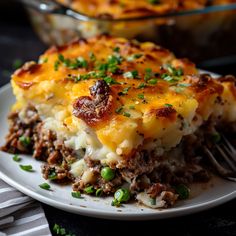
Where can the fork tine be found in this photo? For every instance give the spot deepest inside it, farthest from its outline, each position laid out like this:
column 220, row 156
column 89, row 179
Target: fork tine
column 230, row 163
column 221, row 170
column 229, row 148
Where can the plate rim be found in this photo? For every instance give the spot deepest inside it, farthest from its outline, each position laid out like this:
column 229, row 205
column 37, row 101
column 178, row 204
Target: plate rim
column 99, row 213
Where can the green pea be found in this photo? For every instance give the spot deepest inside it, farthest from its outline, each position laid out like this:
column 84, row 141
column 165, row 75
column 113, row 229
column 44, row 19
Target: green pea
column 107, row 173
column 183, row 191
column 122, row 195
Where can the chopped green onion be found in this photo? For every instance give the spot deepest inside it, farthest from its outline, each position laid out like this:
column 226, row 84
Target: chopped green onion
column 76, row 194
column 184, row 85
column 131, row 74
column 153, row 201
column 45, row 186
column 99, row 192
column 17, row 63
column 58, row 230
column 107, row 173
column 168, row 105
column 109, row 80
column 152, row 81
column 141, row 85
column 56, row 65
column 119, row 109
column 124, row 91
column 92, row 56
column 134, row 56
column 116, row 49
column 126, row 114
column 183, row 191
column 52, row 174
column 89, row 189
column 148, row 74
column 25, row 140
column 132, row 107
column 215, row 137
column 154, row 1
column 140, row 96
column 61, row 58
column 16, row 158
column 28, row 168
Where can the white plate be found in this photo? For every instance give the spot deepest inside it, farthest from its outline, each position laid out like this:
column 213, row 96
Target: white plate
column 216, row 192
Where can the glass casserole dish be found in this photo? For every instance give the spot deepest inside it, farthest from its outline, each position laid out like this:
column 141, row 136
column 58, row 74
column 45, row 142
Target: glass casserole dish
column 205, row 34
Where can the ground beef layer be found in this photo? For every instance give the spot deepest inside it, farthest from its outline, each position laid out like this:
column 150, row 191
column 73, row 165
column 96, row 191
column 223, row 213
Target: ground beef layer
column 144, row 170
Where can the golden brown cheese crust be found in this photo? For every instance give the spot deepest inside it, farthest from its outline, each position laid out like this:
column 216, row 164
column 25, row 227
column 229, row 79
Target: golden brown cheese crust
column 121, row 89
column 133, row 8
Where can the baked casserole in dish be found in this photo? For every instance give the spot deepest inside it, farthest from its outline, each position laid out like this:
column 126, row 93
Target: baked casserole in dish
column 204, row 24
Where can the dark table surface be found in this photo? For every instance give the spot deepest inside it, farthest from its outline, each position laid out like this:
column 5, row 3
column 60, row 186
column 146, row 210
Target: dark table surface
column 18, row 41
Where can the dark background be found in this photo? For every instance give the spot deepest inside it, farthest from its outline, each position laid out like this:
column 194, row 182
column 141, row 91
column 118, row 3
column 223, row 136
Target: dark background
column 18, row 41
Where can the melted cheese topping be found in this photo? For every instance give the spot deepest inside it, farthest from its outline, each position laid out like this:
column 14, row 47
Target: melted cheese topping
column 134, row 8
column 156, row 98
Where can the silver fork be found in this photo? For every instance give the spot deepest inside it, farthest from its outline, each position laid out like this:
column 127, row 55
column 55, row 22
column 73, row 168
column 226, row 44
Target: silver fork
column 227, row 153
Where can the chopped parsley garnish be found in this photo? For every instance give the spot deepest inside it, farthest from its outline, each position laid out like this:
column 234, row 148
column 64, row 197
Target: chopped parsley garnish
column 168, row 105
column 134, row 56
column 140, row 96
column 141, row 85
column 25, row 140
column 76, row 194
column 16, row 158
column 58, row 230
column 119, row 110
column 28, row 168
column 89, row 189
column 45, row 186
column 131, row 74
column 126, row 114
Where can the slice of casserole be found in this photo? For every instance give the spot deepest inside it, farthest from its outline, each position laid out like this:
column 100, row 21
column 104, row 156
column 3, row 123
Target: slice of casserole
column 108, row 112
